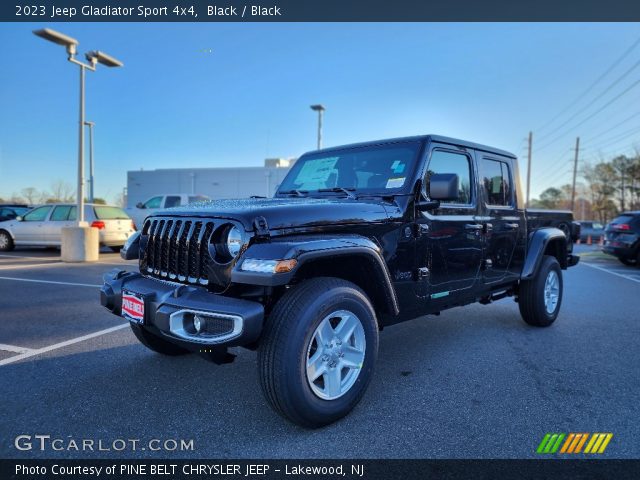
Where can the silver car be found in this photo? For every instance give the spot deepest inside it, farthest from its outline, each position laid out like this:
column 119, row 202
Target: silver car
column 43, row 225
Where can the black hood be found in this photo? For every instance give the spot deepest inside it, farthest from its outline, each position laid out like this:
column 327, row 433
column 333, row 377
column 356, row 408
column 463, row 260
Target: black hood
column 289, row 212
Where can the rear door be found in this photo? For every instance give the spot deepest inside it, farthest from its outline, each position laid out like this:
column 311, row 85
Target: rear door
column 505, row 223
column 449, row 246
column 59, row 219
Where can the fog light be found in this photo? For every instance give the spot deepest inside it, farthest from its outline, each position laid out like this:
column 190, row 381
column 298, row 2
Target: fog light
column 198, row 323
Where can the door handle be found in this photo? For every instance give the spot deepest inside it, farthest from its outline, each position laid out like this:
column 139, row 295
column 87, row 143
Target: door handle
column 473, row 226
column 511, row 226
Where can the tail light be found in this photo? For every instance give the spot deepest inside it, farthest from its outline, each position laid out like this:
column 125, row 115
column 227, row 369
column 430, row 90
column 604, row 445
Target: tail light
column 133, row 226
column 622, row 226
column 99, row 224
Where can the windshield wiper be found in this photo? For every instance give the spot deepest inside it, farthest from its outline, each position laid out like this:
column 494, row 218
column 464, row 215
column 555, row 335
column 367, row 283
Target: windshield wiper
column 348, row 191
column 299, row 193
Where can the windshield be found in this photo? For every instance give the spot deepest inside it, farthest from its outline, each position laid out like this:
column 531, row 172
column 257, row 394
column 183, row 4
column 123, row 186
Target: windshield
column 382, row 168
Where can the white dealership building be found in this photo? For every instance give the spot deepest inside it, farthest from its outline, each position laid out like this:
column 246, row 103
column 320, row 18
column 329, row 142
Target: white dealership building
column 229, row 182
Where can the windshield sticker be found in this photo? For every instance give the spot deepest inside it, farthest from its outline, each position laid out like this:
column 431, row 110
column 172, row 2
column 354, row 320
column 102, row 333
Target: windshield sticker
column 399, row 168
column 315, row 173
column 395, row 182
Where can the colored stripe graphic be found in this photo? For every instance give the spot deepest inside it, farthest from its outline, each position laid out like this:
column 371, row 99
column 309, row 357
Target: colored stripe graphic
column 598, row 442
column 568, row 442
column 543, row 443
column 550, row 443
column 574, row 442
column 581, row 443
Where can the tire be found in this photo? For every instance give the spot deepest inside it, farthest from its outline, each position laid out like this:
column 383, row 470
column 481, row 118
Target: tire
column 155, row 343
column 291, row 338
column 534, row 309
column 630, row 262
column 116, row 249
column 6, row 242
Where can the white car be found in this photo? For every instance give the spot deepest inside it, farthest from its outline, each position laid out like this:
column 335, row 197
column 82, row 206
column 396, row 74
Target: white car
column 43, row 225
column 160, row 202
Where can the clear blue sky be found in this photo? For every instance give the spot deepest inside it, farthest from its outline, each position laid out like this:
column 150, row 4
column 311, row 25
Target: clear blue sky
column 176, row 104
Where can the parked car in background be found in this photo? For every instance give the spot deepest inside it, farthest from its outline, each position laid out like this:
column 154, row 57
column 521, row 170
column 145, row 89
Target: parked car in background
column 43, row 225
column 623, row 238
column 591, row 228
column 159, row 202
column 11, row 211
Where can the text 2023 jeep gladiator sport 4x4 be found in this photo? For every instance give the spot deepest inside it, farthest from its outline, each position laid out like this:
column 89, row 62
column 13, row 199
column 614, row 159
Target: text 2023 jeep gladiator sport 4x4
column 357, row 238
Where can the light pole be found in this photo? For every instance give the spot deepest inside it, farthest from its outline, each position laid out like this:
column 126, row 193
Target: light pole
column 93, row 57
column 90, row 125
column 320, row 109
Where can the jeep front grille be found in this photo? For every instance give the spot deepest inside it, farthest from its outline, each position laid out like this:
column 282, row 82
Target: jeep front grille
column 177, row 249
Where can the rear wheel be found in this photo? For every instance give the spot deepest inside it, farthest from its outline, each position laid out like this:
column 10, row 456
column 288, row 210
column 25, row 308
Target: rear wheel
column 540, row 298
column 318, row 351
column 155, row 343
column 631, row 262
column 6, row 242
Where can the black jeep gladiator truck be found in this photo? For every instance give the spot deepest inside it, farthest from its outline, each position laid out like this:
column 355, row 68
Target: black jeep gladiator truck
column 356, row 238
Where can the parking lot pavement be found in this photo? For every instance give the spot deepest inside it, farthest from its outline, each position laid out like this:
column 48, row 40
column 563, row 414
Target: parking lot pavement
column 595, row 258
column 475, row 382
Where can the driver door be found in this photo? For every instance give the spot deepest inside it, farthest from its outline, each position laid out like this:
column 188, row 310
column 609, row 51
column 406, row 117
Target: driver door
column 449, row 248
column 32, row 227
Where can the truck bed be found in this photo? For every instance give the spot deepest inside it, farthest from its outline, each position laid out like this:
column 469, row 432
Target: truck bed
column 562, row 219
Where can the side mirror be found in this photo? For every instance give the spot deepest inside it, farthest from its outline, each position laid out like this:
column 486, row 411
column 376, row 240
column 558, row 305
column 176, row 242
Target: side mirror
column 19, row 218
column 425, row 205
column 443, row 186
column 140, row 205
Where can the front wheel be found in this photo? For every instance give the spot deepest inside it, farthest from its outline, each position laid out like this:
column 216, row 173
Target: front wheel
column 318, row 351
column 6, row 242
column 540, row 298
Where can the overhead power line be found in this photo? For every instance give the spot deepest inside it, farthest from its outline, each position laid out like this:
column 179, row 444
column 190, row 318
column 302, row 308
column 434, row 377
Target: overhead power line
column 598, row 97
column 591, row 139
column 609, row 103
column 592, row 86
column 616, row 138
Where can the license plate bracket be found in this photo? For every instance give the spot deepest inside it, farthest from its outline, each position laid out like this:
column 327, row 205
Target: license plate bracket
column 133, row 307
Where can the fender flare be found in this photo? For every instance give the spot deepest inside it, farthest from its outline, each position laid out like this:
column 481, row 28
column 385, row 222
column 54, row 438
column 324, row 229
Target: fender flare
column 309, row 250
column 538, row 242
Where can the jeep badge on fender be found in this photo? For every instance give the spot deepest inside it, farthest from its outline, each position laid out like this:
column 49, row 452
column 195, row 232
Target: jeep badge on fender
column 356, row 238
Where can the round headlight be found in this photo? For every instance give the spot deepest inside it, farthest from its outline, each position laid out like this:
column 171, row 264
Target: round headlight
column 234, row 241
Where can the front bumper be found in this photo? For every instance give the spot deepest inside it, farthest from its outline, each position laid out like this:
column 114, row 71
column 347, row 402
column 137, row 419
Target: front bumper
column 169, row 309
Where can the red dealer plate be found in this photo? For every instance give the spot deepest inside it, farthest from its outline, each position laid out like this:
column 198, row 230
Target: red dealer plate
column 132, row 306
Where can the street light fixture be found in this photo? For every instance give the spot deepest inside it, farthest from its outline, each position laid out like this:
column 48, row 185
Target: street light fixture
column 93, row 57
column 320, row 109
column 59, row 38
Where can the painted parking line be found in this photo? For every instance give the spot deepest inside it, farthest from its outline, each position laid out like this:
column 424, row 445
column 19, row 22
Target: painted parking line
column 66, row 343
column 33, row 265
column 52, row 282
column 14, row 349
column 627, row 277
column 27, row 257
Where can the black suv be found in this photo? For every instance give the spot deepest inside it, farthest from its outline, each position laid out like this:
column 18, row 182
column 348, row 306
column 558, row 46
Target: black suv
column 356, row 239
column 623, row 238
